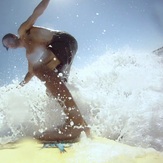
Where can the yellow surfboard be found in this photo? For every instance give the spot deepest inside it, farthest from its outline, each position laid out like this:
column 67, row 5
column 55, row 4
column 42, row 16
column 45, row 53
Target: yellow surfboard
column 95, row 150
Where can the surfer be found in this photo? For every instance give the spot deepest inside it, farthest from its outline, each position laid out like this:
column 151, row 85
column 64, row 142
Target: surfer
column 50, row 54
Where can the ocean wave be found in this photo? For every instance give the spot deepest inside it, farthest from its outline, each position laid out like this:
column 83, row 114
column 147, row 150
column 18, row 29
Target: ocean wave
column 120, row 95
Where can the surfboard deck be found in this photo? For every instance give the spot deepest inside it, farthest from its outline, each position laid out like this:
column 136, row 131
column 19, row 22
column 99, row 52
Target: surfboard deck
column 95, row 150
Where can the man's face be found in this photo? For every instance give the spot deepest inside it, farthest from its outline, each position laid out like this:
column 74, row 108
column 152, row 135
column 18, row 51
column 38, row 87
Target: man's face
column 11, row 42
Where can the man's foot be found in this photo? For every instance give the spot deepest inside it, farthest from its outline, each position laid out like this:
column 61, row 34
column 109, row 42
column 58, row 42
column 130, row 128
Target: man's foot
column 65, row 133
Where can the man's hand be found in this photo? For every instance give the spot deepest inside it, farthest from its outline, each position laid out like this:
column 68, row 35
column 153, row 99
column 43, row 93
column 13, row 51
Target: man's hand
column 26, row 79
column 22, row 83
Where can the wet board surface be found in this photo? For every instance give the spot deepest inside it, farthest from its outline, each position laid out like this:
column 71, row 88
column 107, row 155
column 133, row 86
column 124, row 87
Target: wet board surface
column 96, row 150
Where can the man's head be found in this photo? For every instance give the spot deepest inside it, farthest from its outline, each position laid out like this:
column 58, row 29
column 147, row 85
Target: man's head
column 10, row 41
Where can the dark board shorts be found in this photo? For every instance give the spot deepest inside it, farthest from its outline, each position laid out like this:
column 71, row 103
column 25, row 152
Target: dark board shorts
column 64, row 46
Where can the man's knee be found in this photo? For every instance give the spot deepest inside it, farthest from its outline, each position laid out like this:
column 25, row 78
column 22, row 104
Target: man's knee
column 40, row 72
column 37, row 70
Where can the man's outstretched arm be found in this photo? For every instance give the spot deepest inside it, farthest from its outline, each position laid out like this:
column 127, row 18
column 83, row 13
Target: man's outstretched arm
column 32, row 19
column 28, row 76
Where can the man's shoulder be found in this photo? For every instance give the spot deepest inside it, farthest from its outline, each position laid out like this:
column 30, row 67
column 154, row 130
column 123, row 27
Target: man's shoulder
column 44, row 29
column 55, row 31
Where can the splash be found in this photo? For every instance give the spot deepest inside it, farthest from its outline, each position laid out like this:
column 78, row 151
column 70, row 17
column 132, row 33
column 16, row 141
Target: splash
column 120, row 95
column 122, row 92
column 26, row 110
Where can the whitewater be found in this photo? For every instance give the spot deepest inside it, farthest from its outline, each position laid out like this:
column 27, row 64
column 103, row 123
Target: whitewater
column 120, row 95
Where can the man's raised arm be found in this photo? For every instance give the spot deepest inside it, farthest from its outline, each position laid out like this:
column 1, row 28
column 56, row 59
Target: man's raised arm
column 40, row 8
column 32, row 19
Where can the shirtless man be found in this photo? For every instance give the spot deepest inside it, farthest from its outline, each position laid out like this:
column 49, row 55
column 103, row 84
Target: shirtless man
column 50, row 54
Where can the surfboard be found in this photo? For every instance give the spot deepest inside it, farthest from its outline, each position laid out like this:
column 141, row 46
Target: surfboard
column 94, row 150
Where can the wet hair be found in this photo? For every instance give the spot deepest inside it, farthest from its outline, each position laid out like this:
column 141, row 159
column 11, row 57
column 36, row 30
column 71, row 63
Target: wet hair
column 7, row 36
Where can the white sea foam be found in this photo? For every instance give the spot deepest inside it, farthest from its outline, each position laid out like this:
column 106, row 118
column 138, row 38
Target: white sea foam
column 120, row 95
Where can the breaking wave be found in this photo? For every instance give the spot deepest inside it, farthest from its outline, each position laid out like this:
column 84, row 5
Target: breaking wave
column 119, row 94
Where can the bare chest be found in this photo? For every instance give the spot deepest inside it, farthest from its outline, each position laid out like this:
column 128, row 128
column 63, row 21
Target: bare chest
column 36, row 37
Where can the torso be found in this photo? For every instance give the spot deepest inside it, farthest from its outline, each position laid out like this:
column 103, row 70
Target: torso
column 36, row 40
column 36, row 37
